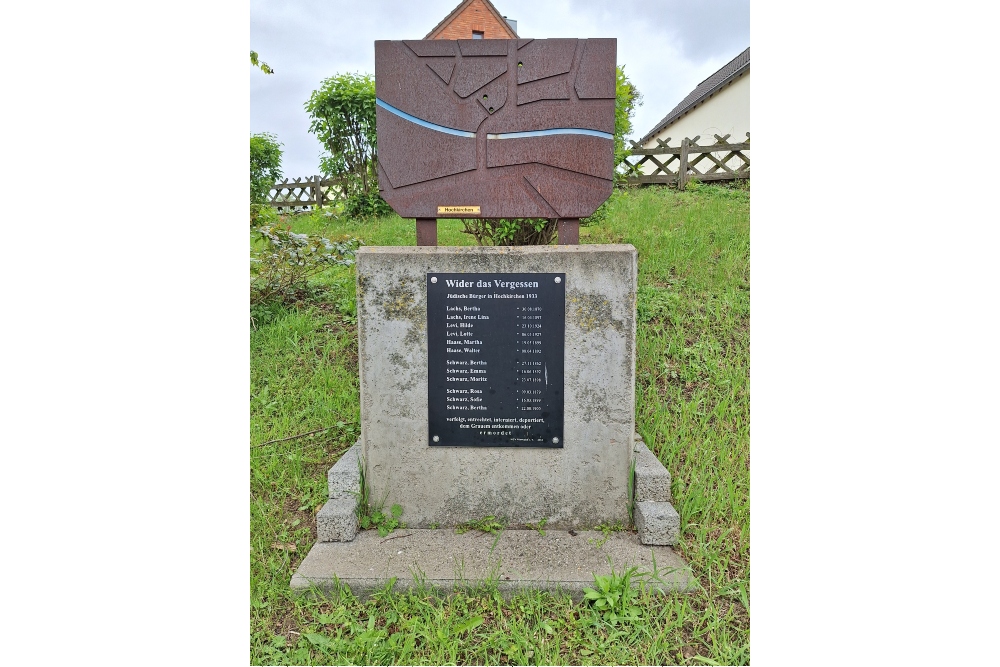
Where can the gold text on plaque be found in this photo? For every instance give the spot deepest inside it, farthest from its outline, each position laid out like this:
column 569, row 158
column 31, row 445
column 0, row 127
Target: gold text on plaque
column 444, row 210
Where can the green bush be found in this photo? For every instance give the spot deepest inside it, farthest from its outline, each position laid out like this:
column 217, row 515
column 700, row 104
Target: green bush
column 342, row 116
column 265, row 171
column 504, row 231
column 528, row 231
column 627, row 98
column 360, row 205
column 281, row 271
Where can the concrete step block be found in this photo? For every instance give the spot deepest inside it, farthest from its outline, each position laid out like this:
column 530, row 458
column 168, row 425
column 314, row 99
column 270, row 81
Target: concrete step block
column 652, row 480
column 514, row 561
column 344, row 478
column 658, row 523
column 337, row 520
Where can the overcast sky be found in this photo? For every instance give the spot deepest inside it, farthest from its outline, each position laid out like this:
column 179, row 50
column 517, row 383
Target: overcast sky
column 667, row 47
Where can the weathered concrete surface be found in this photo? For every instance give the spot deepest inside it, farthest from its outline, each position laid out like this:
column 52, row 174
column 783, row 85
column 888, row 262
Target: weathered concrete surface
column 582, row 485
column 657, row 523
column 652, row 480
column 518, row 559
column 337, row 520
column 344, row 478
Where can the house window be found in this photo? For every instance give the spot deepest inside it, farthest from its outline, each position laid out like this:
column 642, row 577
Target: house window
column 477, row 34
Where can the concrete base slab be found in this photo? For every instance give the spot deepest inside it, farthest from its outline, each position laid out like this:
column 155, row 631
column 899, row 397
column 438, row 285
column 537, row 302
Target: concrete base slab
column 518, row 559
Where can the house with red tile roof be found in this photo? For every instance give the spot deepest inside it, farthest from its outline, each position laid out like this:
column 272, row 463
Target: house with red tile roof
column 474, row 19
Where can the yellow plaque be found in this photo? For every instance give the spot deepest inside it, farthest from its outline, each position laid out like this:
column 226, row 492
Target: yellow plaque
column 462, row 210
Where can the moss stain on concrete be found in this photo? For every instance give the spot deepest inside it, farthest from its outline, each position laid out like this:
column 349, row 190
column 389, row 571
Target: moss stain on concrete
column 592, row 311
column 398, row 303
column 404, row 302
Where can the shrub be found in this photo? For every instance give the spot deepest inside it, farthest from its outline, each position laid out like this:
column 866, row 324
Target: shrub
column 627, row 98
column 281, row 271
column 263, row 214
column 527, row 231
column 504, row 231
column 265, row 170
column 361, row 205
column 342, row 116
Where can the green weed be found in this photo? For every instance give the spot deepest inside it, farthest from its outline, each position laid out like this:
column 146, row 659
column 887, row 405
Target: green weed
column 371, row 514
column 540, row 526
column 606, row 530
column 383, row 522
column 488, row 524
column 613, row 596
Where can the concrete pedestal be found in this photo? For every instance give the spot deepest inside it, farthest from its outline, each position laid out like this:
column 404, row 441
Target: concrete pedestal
column 582, row 485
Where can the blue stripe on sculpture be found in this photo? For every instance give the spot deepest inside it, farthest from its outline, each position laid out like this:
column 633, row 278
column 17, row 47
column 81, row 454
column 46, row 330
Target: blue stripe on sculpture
column 549, row 133
column 423, row 123
column 505, row 135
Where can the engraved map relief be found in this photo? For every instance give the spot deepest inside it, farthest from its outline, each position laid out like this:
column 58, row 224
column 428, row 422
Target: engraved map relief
column 521, row 128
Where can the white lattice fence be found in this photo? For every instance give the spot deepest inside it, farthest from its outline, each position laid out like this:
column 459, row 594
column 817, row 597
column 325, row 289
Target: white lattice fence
column 676, row 165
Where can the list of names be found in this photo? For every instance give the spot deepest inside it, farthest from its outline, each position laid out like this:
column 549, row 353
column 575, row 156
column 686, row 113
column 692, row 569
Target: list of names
column 495, row 359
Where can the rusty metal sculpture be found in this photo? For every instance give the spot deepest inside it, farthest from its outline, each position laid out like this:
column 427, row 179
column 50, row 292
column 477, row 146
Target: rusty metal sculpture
column 495, row 129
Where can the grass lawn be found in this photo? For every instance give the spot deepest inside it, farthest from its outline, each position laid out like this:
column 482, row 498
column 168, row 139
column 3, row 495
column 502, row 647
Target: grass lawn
column 692, row 409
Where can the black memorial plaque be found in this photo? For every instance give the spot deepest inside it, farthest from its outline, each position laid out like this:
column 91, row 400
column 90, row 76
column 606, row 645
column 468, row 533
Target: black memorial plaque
column 495, row 344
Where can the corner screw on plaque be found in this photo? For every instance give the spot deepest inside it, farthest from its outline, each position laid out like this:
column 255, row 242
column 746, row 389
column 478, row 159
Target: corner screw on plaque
column 554, row 440
column 433, row 279
column 437, row 439
column 558, row 279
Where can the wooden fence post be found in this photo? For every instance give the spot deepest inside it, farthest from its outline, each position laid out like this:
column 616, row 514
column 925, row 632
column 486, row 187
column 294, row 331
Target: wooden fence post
column 683, row 168
column 318, row 192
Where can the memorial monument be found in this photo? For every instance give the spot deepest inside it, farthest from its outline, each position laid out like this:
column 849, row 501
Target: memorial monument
column 496, row 381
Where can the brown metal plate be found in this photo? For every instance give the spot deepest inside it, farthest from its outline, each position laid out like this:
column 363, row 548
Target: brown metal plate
column 443, row 67
column 583, row 154
column 474, row 73
column 403, row 81
column 543, row 58
column 552, row 88
column 437, row 136
column 422, row 154
column 482, row 47
column 432, row 47
column 569, row 193
column 493, row 96
column 592, row 80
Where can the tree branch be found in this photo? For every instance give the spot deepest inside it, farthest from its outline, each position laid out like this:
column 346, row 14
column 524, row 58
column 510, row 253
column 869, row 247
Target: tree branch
column 293, row 437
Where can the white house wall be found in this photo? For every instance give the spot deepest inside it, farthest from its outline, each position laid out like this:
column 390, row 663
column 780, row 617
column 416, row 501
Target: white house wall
column 726, row 112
